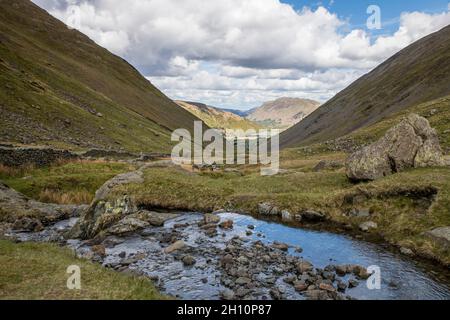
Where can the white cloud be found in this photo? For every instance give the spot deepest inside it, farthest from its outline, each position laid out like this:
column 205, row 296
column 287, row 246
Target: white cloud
column 233, row 49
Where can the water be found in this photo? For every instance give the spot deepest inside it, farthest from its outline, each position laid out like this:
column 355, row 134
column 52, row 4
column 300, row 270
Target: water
column 401, row 277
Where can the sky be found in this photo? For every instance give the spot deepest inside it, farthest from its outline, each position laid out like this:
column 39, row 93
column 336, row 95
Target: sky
column 241, row 53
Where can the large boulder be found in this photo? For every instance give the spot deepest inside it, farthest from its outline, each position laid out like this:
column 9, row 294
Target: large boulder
column 410, row 144
column 440, row 235
column 30, row 215
column 104, row 213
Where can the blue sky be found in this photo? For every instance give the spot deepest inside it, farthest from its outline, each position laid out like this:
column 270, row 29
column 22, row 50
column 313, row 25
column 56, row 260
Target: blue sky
column 239, row 54
column 355, row 10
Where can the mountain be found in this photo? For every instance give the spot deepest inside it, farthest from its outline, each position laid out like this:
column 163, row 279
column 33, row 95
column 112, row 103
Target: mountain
column 239, row 113
column 283, row 112
column 217, row 118
column 417, row 74
column 57, row 87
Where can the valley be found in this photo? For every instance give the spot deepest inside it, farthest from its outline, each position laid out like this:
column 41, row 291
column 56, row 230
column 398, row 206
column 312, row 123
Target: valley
column 87, row 178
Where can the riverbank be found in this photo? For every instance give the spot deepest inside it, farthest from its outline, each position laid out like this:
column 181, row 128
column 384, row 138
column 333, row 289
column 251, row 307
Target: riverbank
column 232, row 256
column 401, row 209
column 38, row 271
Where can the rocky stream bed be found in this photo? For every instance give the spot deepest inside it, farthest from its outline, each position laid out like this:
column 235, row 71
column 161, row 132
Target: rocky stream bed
column 232, row 256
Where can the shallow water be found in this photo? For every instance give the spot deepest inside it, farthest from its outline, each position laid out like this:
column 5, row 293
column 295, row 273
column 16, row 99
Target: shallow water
column 401, row 277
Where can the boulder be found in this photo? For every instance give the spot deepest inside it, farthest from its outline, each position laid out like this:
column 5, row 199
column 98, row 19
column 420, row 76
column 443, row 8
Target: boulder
column 440, row 235
column 406, row 251
column 313, row 216
column 367, row 226
column 280, row 246
column 30, row 215
column 226, row 225
column 102, row 215
column 327, row 287
column 175, row 246
column 211, row 218
column 104, row 212
column 28, row 224
column 127, row 225
column 410, row 144
column 156, row 219
column 188, row 260
column 266, row 209
column 227, row 294
column 303, row 266
column 286, row 216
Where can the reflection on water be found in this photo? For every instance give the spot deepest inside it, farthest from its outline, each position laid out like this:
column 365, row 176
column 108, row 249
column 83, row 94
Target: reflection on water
column 401, row 277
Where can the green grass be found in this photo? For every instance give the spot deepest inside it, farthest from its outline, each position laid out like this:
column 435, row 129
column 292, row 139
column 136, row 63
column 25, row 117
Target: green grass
column 38, row 271
column 69, row 183
column 395, row 201
column 54, row 81
column 437, row 112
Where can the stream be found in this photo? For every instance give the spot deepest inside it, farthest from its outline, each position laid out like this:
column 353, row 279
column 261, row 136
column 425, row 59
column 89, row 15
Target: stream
column 206, row 277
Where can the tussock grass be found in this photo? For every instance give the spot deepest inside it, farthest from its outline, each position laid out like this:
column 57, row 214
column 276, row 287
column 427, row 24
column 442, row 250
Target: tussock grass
column 38, row 271
column 73, row 182
column 70, row 197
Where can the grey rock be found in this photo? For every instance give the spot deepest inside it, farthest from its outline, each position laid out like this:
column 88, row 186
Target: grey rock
column 211, row 219
column 303, row 266
column 243, row 281
column 188, row 260
column 353, row 283
column 266, row 209
column 227, row 294
column 368, row 226
column 313, row 216
column 406, row 251
column 126, row 226
column 280, row 246
column 359, row 213
column 175, row 246
column 28, row 224
column 286, row 216
column 410, row 144
column 440, row 235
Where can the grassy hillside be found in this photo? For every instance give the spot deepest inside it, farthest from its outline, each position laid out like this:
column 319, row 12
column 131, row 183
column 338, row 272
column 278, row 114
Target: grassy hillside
column 436, row 111
column 217, row 118
column 58, row 87
column 419, row 73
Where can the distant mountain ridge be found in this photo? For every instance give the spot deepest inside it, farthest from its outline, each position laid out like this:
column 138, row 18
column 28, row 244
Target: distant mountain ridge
column 283, row 113
column 59, row 88
column 216, row 117
column 417, row 74
column 240, row 113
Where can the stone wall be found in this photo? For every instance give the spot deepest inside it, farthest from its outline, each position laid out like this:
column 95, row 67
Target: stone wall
column 16, row 157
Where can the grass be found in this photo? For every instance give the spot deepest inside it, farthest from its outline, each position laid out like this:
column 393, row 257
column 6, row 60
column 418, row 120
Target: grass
column 436, row 111
column 55, row 83
column 38, row 271
column 68, row 183
column 401, row 204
